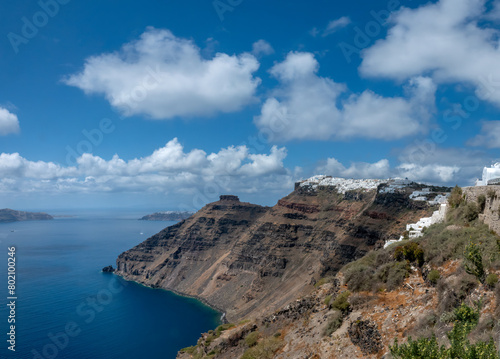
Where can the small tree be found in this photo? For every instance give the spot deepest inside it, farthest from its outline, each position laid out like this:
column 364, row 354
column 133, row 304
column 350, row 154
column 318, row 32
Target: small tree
column 466, row 318
column 474, row 261
column 433, row 276
column 455, row 198
column 412, row 252
column 341, row 303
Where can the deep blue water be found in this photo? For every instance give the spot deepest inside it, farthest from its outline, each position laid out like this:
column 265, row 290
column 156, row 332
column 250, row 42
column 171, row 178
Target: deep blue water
column 61, row 289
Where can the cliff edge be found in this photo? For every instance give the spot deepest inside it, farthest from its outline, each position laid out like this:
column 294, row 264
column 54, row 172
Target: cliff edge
column 248, row 260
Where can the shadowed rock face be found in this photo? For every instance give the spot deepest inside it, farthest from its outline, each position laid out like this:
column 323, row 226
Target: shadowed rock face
column 10, row 215
column 248, row 260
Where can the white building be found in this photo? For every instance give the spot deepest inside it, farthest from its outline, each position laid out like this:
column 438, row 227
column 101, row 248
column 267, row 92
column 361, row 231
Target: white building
column 343, row 185
column 490, row 174
column 415, row 230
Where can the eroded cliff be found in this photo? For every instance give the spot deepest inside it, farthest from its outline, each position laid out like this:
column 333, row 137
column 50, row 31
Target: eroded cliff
column 248, row 260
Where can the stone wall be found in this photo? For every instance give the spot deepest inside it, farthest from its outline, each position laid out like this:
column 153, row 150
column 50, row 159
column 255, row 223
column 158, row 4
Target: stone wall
column 490, row 215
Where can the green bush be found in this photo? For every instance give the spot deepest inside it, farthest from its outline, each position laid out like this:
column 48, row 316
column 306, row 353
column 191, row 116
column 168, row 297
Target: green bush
column 328, row 299
column 396, row 275
column 334, row 323
column 410, row 252
column 189, row 350
column 322, row 281
column 223, row 327
column 471, row 212
column 474, row 261
column 466, row 318
column 455, row 198
column 492, row 280
column 265, row 349
column 441, row 244
column 492, row 194
column 341, row 303
column 374, row 271
column 358, row 277
column 433, row 276
column 252, row 338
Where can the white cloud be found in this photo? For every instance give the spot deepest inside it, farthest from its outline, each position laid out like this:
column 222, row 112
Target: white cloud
column 447, row 40
column 422, row 162
column 429, row 173
column 262, row 47
column 427, row 162
column 9, row 122
column 262, row 164
column 335, row 25
column 489, row 136
column 358, row 170
column 308, row 106
column 163, row 76
column 167, row 168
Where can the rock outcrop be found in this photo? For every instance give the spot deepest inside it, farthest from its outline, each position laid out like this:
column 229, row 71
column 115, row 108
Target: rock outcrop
column 108, row 269
column 10, row 215
column 490, row 215
column 248, row 260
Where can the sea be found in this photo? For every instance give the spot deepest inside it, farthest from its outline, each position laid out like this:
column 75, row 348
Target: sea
column 64, row 306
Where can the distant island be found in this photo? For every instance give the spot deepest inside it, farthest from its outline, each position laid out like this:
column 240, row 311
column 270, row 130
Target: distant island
column 167, row 216
column 9, row 215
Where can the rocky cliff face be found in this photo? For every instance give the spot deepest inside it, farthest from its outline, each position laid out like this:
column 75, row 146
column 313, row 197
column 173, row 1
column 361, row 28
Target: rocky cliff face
column 491, row 213
column 342, row 319
column 248, row 260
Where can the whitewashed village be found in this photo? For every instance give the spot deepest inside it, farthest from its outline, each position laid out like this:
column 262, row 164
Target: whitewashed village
column 490, row 176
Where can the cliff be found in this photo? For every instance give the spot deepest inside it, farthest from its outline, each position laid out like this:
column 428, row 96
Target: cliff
column 248, row 260
column 167, row 216
column 420, row 289
column 10, row 215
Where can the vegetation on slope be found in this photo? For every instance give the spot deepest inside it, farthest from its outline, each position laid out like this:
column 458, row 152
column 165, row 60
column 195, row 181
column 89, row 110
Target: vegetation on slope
column 462, row 237
column 465, row 320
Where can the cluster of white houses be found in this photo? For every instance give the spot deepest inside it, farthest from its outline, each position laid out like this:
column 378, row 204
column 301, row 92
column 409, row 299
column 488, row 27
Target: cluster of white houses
column 491, row 176
column 343, row 185
column 416, row 230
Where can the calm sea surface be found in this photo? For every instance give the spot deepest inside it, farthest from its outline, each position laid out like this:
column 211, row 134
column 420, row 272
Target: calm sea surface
column 67, row 308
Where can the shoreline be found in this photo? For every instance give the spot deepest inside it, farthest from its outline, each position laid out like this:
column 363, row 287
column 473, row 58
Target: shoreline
column 222, row 313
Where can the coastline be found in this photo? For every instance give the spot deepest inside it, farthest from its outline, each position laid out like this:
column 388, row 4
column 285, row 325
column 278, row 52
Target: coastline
column 222, row 313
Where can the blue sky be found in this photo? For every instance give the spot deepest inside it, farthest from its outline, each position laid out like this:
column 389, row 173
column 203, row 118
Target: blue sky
column 166, row 105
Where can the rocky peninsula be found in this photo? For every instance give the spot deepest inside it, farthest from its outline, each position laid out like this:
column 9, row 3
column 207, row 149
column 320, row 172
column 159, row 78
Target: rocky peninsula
column 9, row 215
